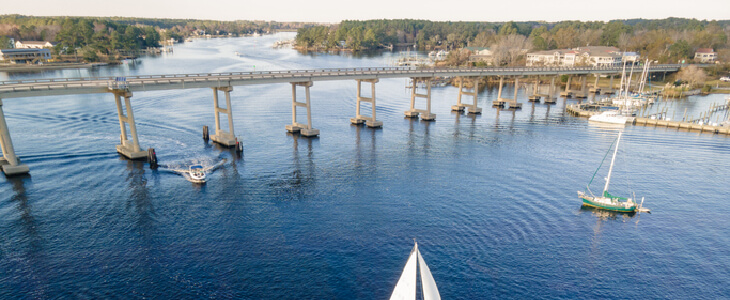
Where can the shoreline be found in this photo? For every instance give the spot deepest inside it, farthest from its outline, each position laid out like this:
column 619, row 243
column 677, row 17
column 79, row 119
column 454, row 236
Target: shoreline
column 11, row 68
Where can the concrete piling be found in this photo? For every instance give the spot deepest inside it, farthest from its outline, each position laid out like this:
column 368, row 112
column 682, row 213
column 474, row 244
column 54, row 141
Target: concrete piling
column 225, row 138
column 413, row 112
column 499, row 102
column 463, row 90
column 9, row 163
column 127, row 148
column 359, row 119
column 303, row 129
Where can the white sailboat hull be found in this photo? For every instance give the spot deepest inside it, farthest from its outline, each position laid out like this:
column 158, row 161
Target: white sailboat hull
column 609, row 117
column 405, row 289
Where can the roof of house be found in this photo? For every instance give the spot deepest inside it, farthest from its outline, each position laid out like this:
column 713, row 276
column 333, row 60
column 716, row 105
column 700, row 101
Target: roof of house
column 602, row 51
column 40, row 43
column 705, row 50
column 594, row 51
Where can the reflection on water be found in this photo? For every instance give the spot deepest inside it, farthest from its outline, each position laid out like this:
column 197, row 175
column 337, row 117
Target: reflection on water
column 300, row 177
column 602, row 214
column 27, row 258
column 139, row 199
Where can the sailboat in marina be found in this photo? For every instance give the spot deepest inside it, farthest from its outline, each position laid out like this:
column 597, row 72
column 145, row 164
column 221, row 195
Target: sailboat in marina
column 405, row 289
column 607, row 201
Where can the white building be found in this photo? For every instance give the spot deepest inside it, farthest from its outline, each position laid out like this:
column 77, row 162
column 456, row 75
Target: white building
column 706, row 55
column 480, row 54
column 582, row 56
column 24, row 55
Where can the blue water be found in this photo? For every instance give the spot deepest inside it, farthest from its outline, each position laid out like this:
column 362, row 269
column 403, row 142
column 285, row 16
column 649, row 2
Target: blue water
column 491, row 199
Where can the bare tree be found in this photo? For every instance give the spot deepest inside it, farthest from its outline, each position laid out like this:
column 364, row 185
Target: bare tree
column 508, row 49
column 692, row 74
column 623, row 41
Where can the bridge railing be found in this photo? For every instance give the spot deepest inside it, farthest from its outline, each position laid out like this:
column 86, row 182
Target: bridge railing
column 306, row 75
column 333, row 71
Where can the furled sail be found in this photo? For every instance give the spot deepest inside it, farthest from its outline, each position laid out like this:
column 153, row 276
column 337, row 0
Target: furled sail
column 405, row 289
column 430, row 291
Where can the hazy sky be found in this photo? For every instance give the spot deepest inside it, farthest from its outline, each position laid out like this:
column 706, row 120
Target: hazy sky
column 337, row 10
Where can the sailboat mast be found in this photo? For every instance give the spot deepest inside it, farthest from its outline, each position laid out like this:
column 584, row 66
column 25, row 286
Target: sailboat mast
column 608, row 178
column 628, row 83
column 623, row 81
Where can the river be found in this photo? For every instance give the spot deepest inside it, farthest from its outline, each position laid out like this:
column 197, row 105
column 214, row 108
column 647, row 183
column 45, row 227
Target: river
column 491, row 199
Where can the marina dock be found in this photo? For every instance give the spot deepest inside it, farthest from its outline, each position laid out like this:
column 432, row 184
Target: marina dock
column 581, row 110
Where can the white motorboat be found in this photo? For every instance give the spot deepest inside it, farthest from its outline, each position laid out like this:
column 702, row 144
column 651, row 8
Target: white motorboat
column 610, row 116
column 197, row 174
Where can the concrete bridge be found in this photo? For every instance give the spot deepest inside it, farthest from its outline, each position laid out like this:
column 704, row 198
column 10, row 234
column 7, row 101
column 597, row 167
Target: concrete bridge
column 124, row 87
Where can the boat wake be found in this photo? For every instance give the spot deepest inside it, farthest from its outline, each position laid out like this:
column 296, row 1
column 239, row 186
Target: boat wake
column 208, row 166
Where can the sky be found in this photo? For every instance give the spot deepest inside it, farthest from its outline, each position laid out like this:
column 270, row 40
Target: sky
column 333, row 11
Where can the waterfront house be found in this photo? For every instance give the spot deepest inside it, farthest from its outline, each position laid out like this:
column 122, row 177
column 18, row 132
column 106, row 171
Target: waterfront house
column 705, row 55
column 630, row 57
column 33, row 45
column 26, row 55
column 480, row 54
column 581, row 56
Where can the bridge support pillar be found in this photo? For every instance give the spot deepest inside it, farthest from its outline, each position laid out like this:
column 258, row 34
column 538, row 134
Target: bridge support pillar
column 514, row 104
column 567, row 92
column 610, row 89
column 303, row 129
column 595, row 89
column 225, row 138
column 9, row 163
column 499, row 102
column 535, row 97
column 583, row 93
column 550, row 98
column 129, row 149
column 471, row 108
column 359, row 119
column 413, row 112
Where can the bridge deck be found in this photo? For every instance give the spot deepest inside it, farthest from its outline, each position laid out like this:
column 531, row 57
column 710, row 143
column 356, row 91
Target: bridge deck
column 92, row 85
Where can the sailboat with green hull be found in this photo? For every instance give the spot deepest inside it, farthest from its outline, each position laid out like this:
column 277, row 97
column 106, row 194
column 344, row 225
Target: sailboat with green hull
column 606, row 200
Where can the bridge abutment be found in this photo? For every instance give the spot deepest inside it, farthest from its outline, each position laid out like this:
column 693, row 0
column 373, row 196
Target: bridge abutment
column 303, row 129
column 225, row 138
column 413, row 112
column 359, row 119
column 9, row 163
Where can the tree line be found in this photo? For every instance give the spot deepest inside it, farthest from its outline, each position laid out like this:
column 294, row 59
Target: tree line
column 94, row 36
column 665, row 40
